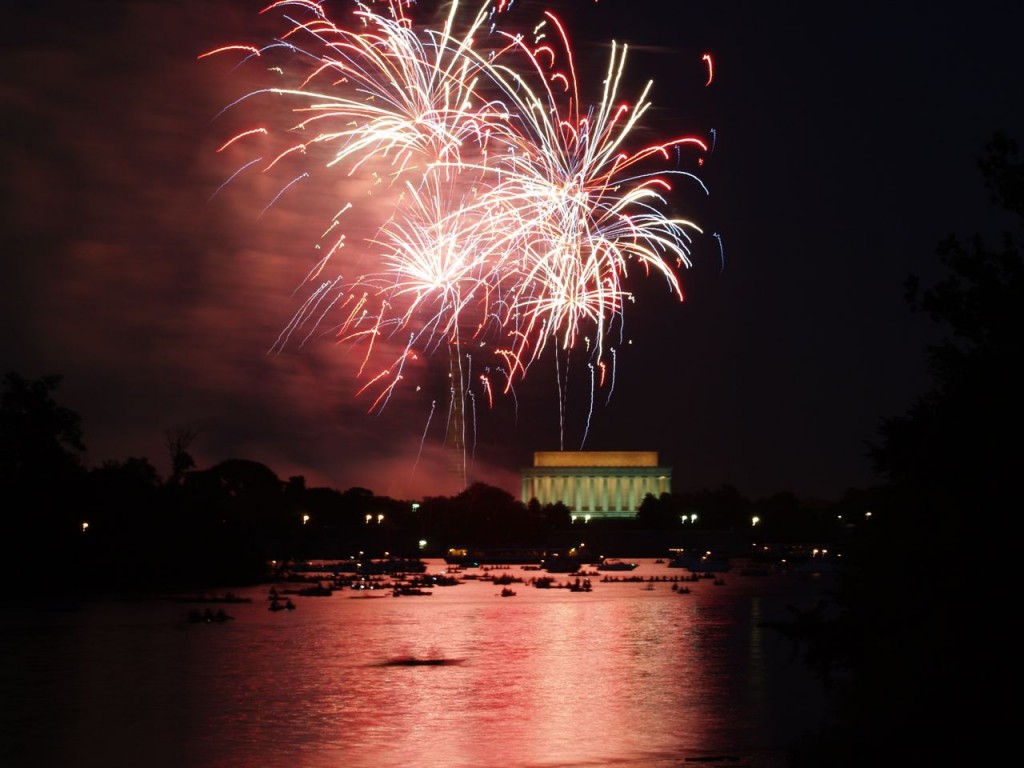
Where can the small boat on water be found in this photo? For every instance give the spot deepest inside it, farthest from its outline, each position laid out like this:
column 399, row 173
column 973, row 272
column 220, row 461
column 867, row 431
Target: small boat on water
column 508, row 592
column 277, row 605
column 405, row 590
column 227, row 597
column 616, row 565
column 700, row 562
column 196, row 616
column 392, row 566
column 563, row 565
column 317, row 590
column 570, row 560
column 416, row 661
column 580, row 585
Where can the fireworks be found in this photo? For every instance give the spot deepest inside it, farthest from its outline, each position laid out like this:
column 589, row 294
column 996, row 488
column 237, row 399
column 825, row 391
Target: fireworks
column 506, row 212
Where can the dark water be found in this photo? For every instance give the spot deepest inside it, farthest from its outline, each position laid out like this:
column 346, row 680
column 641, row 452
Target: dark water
column 620, row 676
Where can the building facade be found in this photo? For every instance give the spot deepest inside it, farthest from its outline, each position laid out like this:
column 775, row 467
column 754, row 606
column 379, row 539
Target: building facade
column 595, row 484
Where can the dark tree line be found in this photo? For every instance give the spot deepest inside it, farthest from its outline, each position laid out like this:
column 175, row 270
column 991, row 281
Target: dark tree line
column 121, row 526
column 918, row 653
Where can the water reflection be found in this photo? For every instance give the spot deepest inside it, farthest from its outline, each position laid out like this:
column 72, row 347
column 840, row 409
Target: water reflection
column 621, row 676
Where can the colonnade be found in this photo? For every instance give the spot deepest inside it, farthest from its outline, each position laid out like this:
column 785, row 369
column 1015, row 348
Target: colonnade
column 595, row 491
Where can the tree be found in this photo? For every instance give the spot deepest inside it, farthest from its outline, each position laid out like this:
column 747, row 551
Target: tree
column 41, row 475
column 126, row 516
column 230, row 517
column 178, row 442
column 910, row 653
column 659, row 512
column 955, row 436
column 39, row 439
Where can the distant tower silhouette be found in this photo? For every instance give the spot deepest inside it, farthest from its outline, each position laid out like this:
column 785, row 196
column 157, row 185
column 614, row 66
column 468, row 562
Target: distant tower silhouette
column 455, row 436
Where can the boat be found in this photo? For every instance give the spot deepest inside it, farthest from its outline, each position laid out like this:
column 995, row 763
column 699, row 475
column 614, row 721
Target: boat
column 615, row 565
column 506, row 579
column 392, row 565
column 317, row 590
column 406, row 590
column 563, row 565
column 277, row 605
column 442, row 580
column 699, row 562
column 196, row 616
column 415, row 661
column 461, row 557
column 569, row 560
column 508, row 592
column 227, row 597
column 475, row 558
column 583, row 585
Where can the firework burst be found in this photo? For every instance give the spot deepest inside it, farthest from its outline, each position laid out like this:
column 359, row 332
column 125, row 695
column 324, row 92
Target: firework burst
column 506, row 212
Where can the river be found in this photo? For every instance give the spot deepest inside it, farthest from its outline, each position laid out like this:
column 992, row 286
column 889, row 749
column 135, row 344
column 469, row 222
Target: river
column 634, row 673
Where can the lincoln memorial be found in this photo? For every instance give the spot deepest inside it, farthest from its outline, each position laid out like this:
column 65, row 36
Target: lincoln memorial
column 595, row 484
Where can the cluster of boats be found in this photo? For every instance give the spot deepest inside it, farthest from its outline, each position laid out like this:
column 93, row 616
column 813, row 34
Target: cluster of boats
column 195, row 616
column 699, row 561
column 567, row 561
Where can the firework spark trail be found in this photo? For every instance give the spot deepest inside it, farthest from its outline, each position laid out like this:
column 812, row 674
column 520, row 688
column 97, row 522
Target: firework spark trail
column 232, row 176
column 423, row 438
column 611, row 387
column 580, row 233
column 321, row 296
column 472, row 411
column 289, row 185
column 590, row 408
column 516, row 215
column 404, row 100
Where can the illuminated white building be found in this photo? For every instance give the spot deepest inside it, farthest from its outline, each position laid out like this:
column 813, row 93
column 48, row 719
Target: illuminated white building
column 595, row 484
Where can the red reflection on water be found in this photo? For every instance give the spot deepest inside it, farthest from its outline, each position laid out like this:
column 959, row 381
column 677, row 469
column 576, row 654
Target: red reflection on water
column 624, row 675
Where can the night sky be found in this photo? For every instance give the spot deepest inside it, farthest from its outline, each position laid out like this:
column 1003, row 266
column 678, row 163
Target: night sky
column 845, row 146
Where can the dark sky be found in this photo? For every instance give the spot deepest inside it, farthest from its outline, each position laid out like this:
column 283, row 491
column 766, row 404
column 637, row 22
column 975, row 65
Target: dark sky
column 845, row 147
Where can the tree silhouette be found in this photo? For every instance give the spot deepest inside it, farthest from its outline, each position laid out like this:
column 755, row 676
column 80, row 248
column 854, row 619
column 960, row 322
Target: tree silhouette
column 41, row 478
column 912, row 643
column 39, row 439
column 178, row 441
